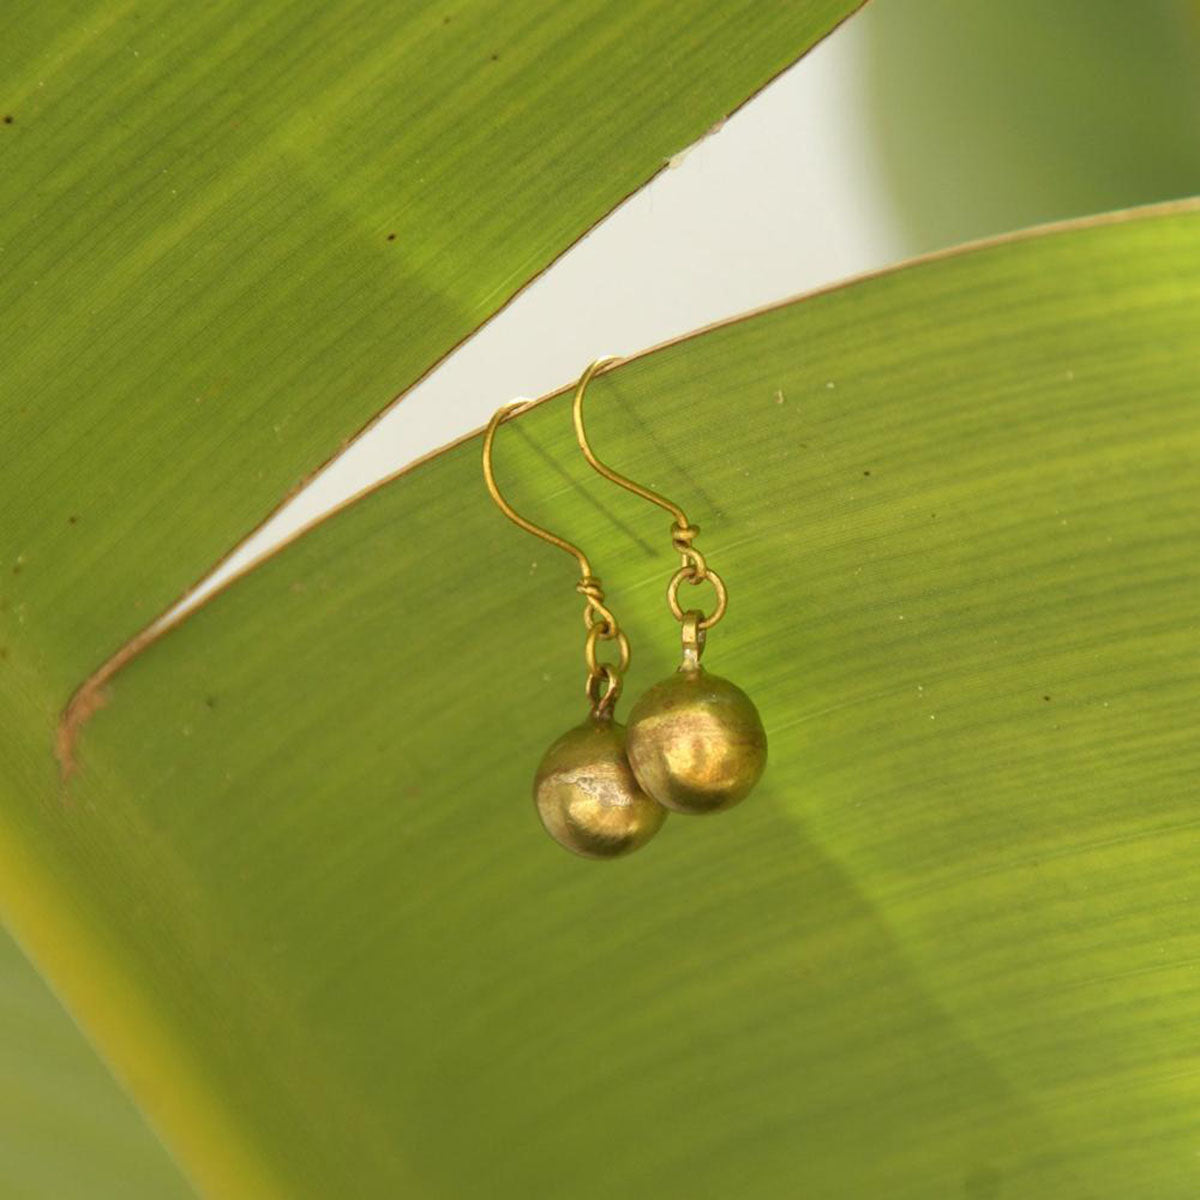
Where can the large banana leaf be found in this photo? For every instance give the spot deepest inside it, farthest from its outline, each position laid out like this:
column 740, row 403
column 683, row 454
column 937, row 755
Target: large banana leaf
column 231, row 235
column 297, row 893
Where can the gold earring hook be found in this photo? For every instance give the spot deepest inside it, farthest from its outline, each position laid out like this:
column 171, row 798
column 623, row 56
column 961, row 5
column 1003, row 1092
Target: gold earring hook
column 694, row 569
column 504, row 413
column 604, row 469
column 604, row 680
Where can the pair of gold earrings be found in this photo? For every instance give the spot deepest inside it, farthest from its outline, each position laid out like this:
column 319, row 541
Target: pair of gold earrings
column 695, row 742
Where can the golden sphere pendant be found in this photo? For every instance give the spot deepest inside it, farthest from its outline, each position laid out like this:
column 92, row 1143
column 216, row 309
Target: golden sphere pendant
column 587, row 797
column 696, row 742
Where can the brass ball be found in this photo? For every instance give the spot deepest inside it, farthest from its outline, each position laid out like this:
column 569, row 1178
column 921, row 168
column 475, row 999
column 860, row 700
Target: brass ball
column 696, row 742
column 587, row 797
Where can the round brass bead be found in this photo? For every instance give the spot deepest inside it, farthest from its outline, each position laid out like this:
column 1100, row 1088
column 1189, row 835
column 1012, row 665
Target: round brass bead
column 696, row 743
column 587, row 797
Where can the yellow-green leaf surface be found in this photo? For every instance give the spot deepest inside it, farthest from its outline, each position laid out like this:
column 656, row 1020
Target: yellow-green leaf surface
column 233, row 233
column 298, row 893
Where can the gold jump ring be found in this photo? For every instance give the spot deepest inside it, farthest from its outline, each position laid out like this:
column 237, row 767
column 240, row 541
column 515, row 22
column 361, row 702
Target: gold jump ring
column 689, row 575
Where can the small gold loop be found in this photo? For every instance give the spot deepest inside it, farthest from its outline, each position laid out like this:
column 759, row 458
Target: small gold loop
column 590, row 589
column 688, row 575
column 682, row 536
column 598, row 633
column 693, row 639
column 596, row 616
column 694, row 562
column 603, row 702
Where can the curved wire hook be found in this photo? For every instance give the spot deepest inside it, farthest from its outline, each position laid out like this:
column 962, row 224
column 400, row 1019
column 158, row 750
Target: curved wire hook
column 597, row 616
column 695, row 568
column 604, row 469
column 502, row 414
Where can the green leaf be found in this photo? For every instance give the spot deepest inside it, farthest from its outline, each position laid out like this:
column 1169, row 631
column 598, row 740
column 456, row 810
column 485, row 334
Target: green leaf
column 230, row 238
column 65, row 1128
column 232, row 235
column 947, row 948
column 989, row 117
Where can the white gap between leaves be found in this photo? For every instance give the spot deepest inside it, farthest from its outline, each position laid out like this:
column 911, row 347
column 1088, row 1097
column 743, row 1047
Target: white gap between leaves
column 783, row 198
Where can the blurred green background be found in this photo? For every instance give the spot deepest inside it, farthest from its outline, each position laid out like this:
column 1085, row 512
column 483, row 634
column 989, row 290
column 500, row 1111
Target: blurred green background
column 992, row 115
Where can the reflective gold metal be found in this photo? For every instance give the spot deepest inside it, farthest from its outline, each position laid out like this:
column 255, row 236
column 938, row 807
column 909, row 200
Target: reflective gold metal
column 710, row 576
column 694, row 637
column 594, row 635
column 584, row 790
column 695, row 741
column 587, row 796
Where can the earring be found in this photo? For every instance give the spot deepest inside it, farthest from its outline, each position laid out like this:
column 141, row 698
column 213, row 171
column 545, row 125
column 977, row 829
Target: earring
column 696, row 742
column 584, row 790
